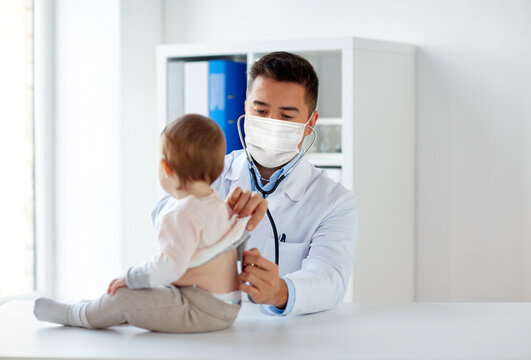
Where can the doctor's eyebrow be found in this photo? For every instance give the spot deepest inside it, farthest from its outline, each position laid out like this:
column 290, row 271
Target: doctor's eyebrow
column 261, row 103
column 289, row 108
column 285, row 108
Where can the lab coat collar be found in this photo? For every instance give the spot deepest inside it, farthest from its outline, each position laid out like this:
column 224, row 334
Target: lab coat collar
column 238, row 174
column 298, row 180
column 294, row 186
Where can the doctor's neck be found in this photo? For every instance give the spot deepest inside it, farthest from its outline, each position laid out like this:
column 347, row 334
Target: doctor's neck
column 265, row 173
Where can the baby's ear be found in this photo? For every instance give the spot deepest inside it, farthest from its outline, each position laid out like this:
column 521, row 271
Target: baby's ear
column 166, row 167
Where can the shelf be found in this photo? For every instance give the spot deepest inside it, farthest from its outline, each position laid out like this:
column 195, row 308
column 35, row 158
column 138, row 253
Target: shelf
column 326, row 159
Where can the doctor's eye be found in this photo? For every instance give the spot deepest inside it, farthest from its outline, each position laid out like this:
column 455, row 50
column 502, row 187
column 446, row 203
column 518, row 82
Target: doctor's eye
column 261, row 111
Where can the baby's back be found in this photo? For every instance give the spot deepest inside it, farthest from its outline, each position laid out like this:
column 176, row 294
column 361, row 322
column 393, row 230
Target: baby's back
column 220, row 274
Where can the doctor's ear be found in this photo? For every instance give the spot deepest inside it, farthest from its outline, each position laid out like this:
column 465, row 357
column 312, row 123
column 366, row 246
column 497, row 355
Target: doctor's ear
column 166, row 167
column 312, row 121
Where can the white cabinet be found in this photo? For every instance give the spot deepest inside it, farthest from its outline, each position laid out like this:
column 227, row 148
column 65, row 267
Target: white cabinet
column 366, row 138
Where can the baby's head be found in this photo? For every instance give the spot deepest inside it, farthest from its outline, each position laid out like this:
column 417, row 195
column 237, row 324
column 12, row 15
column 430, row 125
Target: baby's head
column 192, row 149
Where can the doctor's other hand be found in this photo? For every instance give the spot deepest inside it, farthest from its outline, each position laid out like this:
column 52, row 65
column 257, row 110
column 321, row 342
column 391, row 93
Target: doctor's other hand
column 115, row 285
column 266, row 287
column 245, row 203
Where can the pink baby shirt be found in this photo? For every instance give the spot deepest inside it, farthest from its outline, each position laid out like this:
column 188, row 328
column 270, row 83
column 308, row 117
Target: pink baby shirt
column 186, row 229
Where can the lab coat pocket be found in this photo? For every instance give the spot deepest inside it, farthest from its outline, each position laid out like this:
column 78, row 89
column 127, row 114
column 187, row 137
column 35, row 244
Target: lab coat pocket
column 290, row 255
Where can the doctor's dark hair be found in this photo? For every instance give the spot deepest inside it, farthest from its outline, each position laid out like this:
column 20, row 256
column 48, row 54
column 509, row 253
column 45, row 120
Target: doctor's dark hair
column 285, row 66
column 194, row 147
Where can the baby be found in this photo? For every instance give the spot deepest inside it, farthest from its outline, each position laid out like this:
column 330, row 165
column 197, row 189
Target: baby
column 197, row 232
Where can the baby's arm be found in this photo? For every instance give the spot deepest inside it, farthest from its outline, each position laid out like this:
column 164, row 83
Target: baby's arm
column 159, row 270
column 154, row 272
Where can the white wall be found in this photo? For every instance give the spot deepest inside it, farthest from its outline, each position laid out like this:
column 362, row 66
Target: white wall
column 473, row 115
column 473, row 137
column 16, row 149
column 141, row 31
column 87, row 113
column 106, row 180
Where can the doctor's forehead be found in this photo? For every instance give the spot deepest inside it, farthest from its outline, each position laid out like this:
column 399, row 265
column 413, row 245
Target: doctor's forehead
column 274, row 93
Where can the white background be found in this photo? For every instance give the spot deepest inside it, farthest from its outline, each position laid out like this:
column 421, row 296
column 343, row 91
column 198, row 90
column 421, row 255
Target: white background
column 16, row 149
column 473, row 128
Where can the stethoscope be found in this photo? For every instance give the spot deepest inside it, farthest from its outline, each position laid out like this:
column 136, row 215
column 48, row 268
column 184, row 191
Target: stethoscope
column 263, row 192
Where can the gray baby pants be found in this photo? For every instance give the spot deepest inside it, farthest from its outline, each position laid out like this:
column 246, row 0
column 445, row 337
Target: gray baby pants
column 168, row 308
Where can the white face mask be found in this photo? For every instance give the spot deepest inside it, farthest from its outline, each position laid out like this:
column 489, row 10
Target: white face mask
column 272, row 142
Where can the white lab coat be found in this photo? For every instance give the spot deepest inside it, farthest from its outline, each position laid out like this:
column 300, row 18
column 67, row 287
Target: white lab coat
column 319, row 218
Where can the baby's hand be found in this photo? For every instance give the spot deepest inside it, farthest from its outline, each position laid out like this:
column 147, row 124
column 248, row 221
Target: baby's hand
column 245, row 203
column 115, row 285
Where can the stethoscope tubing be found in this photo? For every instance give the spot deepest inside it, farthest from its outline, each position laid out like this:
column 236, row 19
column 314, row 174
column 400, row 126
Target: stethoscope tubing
column 271, row 221
column 280, row 179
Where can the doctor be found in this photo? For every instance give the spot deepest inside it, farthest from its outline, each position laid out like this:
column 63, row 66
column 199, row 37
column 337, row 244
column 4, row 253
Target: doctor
column 315, row 217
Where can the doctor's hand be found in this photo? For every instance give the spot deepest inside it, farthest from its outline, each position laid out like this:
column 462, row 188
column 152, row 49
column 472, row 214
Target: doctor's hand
column 245, row 203
column 266, row 287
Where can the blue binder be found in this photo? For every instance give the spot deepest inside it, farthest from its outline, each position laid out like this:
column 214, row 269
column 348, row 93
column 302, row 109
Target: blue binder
column 227, row 81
